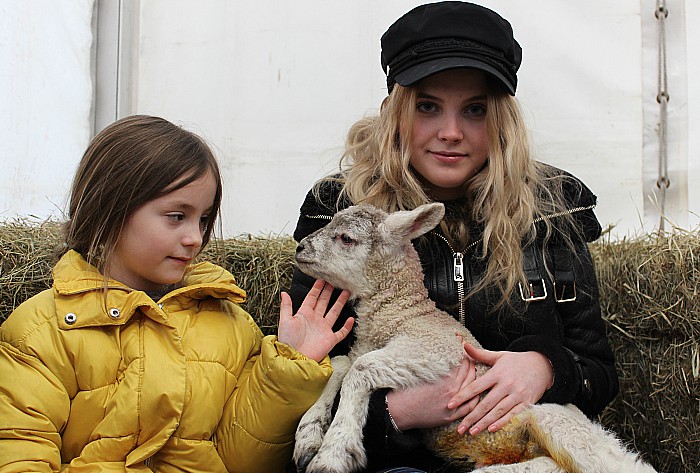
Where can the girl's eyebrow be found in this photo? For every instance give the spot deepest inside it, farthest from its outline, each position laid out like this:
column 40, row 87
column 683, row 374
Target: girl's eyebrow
column 182, row 205
column 423, row 95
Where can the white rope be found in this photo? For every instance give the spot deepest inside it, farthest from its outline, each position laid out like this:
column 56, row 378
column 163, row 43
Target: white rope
column 662, row 98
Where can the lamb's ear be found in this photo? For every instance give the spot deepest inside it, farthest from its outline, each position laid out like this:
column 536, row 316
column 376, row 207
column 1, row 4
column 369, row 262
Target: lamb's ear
column 410, row 224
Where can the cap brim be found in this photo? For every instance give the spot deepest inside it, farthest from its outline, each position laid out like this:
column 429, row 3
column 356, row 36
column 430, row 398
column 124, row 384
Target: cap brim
column 416, row 73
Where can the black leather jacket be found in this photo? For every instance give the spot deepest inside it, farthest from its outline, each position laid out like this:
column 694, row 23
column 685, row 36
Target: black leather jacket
column 557, row 315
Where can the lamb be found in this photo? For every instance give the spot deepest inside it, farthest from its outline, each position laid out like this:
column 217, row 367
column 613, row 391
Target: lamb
column 403, row 340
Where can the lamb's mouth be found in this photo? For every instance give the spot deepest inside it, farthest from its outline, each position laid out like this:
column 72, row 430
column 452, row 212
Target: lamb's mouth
column 301, row 261
column 307, row 267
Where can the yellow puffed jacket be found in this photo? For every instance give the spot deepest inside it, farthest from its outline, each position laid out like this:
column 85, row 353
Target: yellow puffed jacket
column 92, row 383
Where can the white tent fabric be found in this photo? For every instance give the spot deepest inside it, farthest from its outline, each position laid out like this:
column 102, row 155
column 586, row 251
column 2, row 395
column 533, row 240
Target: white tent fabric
column 46, row 101
column 274, row 85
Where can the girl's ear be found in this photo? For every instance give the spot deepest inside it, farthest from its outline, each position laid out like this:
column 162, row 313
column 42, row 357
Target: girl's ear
column 410, row 224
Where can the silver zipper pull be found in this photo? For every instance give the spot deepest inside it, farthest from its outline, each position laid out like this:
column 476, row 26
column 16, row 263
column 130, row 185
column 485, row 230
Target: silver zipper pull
column 459, row 267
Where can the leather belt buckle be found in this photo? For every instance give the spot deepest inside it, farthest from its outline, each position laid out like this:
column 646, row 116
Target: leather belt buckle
column 533, row 294
column 563, row 296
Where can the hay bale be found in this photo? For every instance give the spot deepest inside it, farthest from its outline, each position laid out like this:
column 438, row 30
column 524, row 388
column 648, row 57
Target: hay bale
column 263, row 267
column 26, row 258
column 649, row 295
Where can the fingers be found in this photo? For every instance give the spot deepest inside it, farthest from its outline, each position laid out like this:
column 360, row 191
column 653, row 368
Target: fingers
column 312, row 296
column 345, row 329
column 494, row 410
column 503, row 421
column 285, row 305
column 471, row 390
column 337, row 307
column 479, row 354
column 323, row 298
column 470, row 374
column 495, row 419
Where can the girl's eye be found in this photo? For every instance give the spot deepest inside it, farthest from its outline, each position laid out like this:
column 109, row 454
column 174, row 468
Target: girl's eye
column 426, row 107
column 178, row 217
column 475, row 110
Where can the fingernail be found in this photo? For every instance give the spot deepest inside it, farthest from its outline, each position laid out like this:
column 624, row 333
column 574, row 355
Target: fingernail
column 474, row 430
column 461, row 429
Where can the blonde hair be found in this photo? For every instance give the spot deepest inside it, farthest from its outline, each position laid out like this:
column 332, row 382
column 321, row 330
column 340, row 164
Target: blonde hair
column 505, row 198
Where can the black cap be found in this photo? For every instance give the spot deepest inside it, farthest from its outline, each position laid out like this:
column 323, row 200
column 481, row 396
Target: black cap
column 449, row 35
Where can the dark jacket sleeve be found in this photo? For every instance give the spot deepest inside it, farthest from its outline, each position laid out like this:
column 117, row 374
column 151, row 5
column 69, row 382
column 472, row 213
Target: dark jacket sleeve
column 583, row 362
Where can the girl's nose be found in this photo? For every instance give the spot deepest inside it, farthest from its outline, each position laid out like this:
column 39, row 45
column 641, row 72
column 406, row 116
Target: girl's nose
column 193, row 235
column 451, row 130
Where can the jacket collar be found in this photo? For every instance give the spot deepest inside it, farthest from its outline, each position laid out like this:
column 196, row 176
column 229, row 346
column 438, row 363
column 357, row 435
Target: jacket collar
column 79, row 290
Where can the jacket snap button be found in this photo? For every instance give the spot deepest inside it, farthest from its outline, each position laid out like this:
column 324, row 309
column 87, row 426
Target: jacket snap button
column 114, row 313
column 70, row 318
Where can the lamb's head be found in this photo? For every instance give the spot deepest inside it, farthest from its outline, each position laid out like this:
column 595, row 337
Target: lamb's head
column 360, row 240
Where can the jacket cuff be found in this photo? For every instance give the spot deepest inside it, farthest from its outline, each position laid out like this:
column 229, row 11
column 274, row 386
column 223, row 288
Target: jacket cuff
column 288, row 367
column 565, row 381
column 380, row 435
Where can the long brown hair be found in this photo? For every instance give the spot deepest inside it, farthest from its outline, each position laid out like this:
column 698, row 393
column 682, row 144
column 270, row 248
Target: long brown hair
column 130, row 162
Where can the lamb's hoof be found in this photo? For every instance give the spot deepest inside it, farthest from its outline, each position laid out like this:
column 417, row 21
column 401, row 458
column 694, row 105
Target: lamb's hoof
column 308, row 442
column 302, row 462
column 336, row 462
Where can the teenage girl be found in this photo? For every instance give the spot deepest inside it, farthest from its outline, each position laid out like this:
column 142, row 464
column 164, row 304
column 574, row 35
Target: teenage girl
column 509, row 260
column 138, row 358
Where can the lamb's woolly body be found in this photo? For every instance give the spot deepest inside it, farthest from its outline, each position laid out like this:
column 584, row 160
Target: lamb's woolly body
column 397, row 310
column 402, row 340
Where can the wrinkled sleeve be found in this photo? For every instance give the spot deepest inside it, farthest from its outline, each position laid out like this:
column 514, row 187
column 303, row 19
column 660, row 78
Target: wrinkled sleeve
column 275, row 388
column 34, row 404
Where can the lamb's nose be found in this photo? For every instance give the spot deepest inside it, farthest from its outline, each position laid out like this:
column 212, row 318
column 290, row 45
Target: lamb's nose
column 300, row 247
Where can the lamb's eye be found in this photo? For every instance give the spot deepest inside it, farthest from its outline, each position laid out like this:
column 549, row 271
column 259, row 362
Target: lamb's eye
column 346, row 239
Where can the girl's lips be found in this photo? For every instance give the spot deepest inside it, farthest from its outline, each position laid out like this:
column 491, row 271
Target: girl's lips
column 181, row 260
column 448, row 157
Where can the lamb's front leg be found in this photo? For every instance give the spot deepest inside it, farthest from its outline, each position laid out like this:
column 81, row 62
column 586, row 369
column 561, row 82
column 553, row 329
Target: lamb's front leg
column 315, row 421
column 342, row 450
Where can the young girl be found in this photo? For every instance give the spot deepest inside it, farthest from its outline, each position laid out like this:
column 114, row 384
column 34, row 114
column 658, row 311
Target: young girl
column 509, row 260
column 138, row 359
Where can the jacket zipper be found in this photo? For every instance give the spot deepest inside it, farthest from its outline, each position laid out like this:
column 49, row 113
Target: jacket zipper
column 565, row 212
column 458, row 274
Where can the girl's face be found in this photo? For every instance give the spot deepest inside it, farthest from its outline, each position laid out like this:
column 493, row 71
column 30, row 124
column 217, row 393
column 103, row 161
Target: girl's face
column 161, row 237
column 449, row 144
